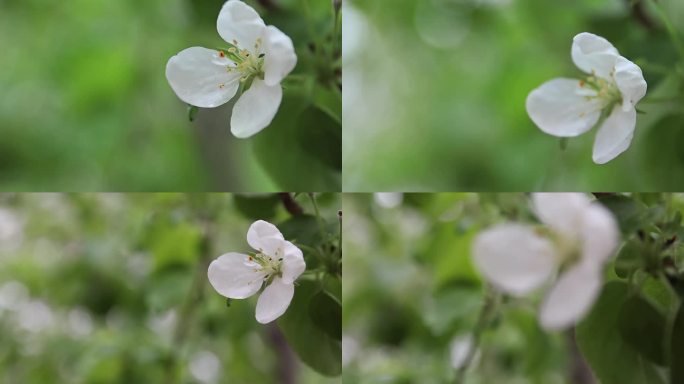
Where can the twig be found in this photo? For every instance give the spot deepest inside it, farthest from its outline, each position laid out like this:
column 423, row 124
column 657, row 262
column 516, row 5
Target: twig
column 290, row 204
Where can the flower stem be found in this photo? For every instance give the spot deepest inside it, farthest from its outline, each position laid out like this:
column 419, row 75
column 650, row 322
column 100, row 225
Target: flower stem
column 488, row 310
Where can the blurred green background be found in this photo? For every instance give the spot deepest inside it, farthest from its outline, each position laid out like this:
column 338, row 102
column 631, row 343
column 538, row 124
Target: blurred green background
column 112, row 288
column 85, row 104
column 410, row 290
column 436, row 89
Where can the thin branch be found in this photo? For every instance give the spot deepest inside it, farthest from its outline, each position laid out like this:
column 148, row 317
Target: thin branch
column 290, row 204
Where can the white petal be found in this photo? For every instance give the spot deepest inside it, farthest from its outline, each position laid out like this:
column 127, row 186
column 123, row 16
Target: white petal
column 615, row 135
column 563, row 212
column 560, row 107
column 571, row 297
column 600, row 235
column 274, row 300
column 460, row 349
column 280, row 58
column 199, row 77
column 255, row 109
column 514, row 257
column 265, row 237
column 293, row 263
column 594, row 54
column 233, row 277
column 238, row 22
column 630, row 81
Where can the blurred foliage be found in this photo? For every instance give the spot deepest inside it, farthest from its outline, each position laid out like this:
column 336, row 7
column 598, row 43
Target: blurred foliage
column 410, row 290
column 112, row 288
column 437, row 89
column 86, row 105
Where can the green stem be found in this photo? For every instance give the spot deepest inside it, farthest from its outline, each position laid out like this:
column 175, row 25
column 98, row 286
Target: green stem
column 674, row 36
column 319, row 219
column 492, row 299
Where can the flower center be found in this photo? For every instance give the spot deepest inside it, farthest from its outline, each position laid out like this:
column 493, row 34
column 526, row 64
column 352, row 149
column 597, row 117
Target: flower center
column 249, row 64
column 271, row 266
column 604, row 90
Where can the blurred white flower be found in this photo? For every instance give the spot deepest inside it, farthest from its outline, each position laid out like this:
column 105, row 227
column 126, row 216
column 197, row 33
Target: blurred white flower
column 568, row 107
column 79, row 322
column 11, row 230
column 205, row 367
column 459, row 350
column 13, row 295
column 388, row 199
column 258, row 58
column 35, row 316
column 277, row 263
column 163, row 324
column 579, row 239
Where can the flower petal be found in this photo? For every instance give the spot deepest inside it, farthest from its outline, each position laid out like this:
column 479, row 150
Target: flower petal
column 571, row 297
column 563, row 212
column 199, row 77
column 560, row 107
column 233, row 277
column 600, row 234
column 274, row 300
column 594, row 54
column 514, row 257
column 280, row 58
column 293, row 263
column 630, row 81
column 614, row 136
column 240, row 24
column 265, row 237
column 255, row 109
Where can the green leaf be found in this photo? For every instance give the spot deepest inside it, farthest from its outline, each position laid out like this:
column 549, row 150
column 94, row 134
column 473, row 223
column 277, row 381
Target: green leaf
column 628, row 211
column 313, row 346
column 629, row 259
column 257, row 207
column 610, row 357
column 278, row 148
column 326, row 313
column 329, row 101
column 677, row 348
column 457, row 267
column 324, row 140
column 643, row 327
column 303, row 229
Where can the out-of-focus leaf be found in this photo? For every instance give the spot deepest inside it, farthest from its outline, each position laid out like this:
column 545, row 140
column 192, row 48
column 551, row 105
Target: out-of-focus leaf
column 280, row 152
column 257, row 207
column 326, row 313
column 643, row 327
column 329, row 101
column 173, row 243
column 610, row 357
column 629, row 259
column 628, row 211
column 313, row 346
column 303, row 229
column 321, row 137
column 677, row 348
column 449, row 252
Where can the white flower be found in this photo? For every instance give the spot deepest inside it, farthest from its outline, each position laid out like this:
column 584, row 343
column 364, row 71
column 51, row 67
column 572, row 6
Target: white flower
column 580, row 238
column 277, row 263
column 258, row 59
column 459, row 350
column 607, row 98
